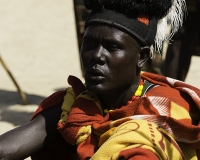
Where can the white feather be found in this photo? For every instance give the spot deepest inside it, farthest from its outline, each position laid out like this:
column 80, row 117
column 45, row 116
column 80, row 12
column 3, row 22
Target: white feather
column 174, row 19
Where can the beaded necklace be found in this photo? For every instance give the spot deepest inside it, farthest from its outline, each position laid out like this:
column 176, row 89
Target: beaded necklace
column 138, row 92
column 137, row 95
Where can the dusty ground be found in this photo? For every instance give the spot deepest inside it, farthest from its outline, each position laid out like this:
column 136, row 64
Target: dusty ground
column 38, row 44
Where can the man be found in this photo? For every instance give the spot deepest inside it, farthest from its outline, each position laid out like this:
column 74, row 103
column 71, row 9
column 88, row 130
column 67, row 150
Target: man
column 119, row 113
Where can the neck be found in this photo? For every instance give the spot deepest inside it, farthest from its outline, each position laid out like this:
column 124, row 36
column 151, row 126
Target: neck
column 118, row 98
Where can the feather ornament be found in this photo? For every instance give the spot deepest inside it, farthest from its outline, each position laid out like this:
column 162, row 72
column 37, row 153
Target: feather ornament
column 167, row 12
column 174, row 20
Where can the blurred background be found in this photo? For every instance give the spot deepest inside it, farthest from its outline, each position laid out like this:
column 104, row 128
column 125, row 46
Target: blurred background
column 39, row 48
column 38, row 45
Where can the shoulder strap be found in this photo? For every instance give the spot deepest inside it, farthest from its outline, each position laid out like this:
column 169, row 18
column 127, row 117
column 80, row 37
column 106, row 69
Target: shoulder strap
column 147, row 86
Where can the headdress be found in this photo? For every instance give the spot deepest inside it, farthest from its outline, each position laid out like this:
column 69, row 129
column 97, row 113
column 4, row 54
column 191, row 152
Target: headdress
column 145, row 20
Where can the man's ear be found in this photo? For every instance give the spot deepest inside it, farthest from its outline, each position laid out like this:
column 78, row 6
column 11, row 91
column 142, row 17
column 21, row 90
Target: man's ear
column 144, row 55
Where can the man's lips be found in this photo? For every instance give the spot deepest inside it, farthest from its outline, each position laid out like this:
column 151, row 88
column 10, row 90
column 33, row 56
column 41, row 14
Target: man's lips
column 94, row 74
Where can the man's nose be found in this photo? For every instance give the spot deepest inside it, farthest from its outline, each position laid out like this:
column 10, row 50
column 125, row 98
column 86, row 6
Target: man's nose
column 99, row 54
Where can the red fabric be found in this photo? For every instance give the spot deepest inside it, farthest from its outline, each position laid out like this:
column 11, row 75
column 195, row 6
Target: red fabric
column 177, row 94
column 137, row 154
column 85, row 112
column 51, row 101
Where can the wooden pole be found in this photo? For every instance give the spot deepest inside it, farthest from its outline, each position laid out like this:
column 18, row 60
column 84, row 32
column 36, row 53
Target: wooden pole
column 22, row 95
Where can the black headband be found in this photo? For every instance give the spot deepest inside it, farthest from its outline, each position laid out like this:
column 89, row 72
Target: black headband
column 143, row 33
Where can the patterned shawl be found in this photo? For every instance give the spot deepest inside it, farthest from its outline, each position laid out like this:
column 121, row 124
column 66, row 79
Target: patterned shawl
column 162, row 124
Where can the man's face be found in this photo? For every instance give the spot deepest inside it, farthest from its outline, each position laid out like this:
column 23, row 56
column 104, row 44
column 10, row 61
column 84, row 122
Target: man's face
column 109, row 58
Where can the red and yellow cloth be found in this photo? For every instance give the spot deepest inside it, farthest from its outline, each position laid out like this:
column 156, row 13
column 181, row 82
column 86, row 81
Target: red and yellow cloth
column 162, row 124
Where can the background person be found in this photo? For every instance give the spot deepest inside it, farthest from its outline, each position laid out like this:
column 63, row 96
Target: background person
column 178, row 56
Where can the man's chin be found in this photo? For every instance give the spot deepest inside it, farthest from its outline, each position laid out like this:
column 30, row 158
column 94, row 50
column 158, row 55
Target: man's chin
column 96, row 88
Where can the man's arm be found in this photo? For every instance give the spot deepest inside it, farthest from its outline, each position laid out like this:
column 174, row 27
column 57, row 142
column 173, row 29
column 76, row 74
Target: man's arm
column 23, row 141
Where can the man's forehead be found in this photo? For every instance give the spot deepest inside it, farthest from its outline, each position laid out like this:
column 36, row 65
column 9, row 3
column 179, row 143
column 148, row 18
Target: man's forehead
column 108, row 33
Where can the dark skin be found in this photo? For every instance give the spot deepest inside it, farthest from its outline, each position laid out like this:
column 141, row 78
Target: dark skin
column 111, row 61
column 23, row 141
column 108, row 53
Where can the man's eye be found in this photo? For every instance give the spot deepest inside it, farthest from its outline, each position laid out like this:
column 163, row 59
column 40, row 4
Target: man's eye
column 89, row 42
column 112, row 47
column 89, row 45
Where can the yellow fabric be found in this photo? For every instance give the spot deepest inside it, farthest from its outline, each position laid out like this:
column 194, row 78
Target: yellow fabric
column 104, row 137
column 83, row 134
column 165, row 121
column 132, row 134
column 130, row 139
column 189, row 153
column 92, row 97
column 66, row 106
column 178, row 111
